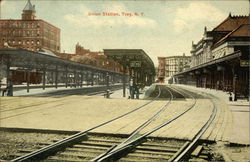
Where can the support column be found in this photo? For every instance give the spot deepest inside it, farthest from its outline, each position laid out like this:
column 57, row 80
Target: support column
column 44, row 78
column 8, row 72
column 223, row 80
column 234, row 83
column 28, row 80
column 66, row 77
column 92, row 78
column 87, row 78
column 9, row 79
column 56, row 77
column 81, row 79
column 124, row 81
column 211, row 80
column 98, row 78
column 107, row 83
column 75, row 79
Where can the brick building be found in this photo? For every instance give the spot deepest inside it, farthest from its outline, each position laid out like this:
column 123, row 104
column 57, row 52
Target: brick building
column 161, row 72
column 29, row 33
column 169, row 66
column 92, row 58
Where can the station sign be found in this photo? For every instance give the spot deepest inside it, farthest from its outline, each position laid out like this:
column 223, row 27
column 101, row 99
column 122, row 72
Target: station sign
column 135, row 63
column 244, row 63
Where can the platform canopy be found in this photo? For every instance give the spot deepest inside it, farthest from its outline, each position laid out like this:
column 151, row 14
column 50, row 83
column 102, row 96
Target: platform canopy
column 132, row 58
column 135, row 61
column 35, row 60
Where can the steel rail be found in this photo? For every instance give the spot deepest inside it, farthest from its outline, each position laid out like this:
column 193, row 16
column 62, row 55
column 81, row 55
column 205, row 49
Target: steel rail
column 134, row 133
column 182, row 154
column 113, row 152
column 52, row 148
column 163, row 108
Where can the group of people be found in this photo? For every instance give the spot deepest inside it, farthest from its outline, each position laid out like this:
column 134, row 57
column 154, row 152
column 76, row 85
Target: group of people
column 8, row 91
column 133, row 90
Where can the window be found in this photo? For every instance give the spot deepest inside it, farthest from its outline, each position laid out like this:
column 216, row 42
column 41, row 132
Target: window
column 32, row 42
column 38, row 42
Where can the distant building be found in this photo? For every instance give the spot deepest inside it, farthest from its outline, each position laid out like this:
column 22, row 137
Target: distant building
column 97, row 59
column 169, row 66
column 161, row 72
column 29, row 33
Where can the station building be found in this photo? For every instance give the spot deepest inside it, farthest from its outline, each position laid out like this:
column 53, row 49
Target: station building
column 29, row 33
column 220, row 60
column 169, row 66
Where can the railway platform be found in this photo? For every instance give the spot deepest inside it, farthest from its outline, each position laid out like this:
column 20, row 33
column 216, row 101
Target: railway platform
column 79, row 113
column 238, row 112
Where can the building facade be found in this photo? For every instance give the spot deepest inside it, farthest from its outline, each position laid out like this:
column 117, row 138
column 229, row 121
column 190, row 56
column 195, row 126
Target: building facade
column 29, row 33
column 161, row 72
column 220, row 60
column 207, row 48
column 92, row 58
column 169, row 66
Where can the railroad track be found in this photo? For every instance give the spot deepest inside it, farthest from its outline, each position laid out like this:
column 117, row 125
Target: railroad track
column 69, row 141
column 35, row 104
column 136, row 147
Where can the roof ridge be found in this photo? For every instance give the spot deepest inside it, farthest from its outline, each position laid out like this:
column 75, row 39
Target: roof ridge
column 239, row 16
column 229, row 16
column 223, row 38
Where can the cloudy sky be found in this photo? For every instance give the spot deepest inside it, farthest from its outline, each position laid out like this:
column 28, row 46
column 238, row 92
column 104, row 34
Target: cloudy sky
column 160, row 28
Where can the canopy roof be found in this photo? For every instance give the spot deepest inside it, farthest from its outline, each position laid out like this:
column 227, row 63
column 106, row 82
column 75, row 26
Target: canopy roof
column 126, row 56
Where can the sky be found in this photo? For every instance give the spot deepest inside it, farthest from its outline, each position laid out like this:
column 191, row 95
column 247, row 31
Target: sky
column 161, row 28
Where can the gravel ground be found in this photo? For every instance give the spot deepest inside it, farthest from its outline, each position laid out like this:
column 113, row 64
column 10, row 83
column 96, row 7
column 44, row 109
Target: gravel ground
column 232, row 153
column 11, row 142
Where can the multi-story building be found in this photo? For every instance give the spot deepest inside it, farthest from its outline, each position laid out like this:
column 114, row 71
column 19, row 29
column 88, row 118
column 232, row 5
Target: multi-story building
column 220, row 60
column 161, row 72
column 29, row 33
column 88, row 57
column 169, row 66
